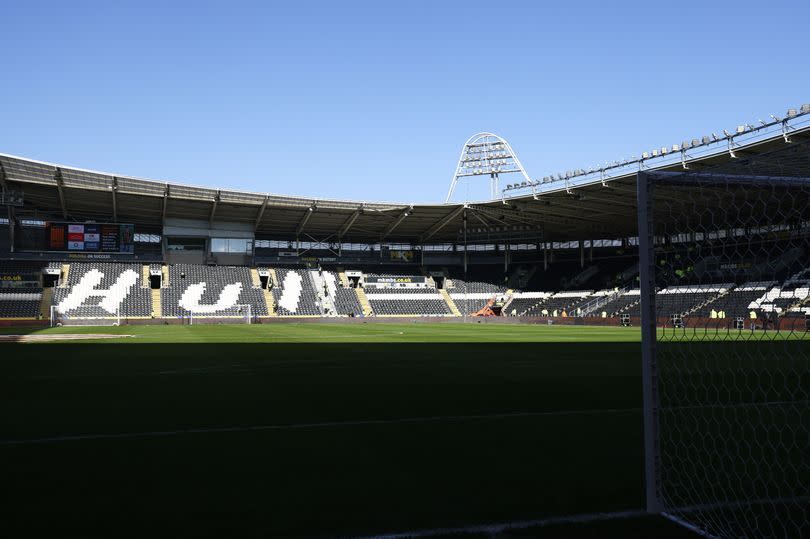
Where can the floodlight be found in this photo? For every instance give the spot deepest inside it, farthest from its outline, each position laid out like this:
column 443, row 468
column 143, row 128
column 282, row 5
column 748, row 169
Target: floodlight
column 791, row 113
column 645, row 155
column 676, row 148
column 705, row 140
column 695, row 143
column 655, row 153
column 805, row 108
column 664, row 150
column 740, row 129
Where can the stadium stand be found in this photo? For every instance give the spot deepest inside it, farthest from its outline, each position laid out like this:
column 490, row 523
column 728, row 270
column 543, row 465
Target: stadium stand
column 295, row 294
column 210, row 291
column 407, row 301
column 620, row 304
column 100, row 290
column 737, row 302
column 20, row 302
column 559, row 304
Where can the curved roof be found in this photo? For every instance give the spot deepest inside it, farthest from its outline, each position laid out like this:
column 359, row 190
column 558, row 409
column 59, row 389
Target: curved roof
column 600, row 209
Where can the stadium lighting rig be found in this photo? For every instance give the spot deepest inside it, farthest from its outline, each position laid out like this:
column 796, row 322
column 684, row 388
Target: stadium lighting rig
column 487, row 154
column 604, row 172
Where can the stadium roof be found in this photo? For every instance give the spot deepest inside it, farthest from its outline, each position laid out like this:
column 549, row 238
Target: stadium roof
column 593, row 210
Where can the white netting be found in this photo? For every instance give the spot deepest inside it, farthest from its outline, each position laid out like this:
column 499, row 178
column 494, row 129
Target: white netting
column 729, row 275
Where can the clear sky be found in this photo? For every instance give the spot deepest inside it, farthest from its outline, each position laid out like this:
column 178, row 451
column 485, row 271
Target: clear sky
column 373, row 100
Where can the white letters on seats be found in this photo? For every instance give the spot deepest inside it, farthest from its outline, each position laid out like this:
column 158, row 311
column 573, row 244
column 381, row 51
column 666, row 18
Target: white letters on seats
column 292, row 291
column 86, row 288
column 190, row 300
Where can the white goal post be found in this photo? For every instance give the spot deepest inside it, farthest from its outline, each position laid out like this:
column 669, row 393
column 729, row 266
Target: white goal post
column 58, row 318
column 726, row 411
column 238, row 314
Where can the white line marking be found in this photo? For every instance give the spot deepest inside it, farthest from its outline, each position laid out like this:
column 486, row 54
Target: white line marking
column 516, row 525
column 314, row 425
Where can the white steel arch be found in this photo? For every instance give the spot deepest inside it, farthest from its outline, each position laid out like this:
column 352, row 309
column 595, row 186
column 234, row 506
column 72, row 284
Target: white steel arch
column 486, row 154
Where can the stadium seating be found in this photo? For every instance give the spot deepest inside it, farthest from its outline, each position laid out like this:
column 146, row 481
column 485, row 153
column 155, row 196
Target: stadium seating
column 559, row 303
column 20, row 302
column 620, row 304
column 296, row 294
column 101, row 290
column 210, row 291
column 346, row 302
column 20, row 289
column 407, row 301
column 737, row 302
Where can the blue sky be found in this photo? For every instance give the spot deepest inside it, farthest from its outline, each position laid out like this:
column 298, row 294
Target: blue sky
column 373, row 100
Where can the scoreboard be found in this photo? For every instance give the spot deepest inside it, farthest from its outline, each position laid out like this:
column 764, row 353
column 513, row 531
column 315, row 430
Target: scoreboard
column 91, row 237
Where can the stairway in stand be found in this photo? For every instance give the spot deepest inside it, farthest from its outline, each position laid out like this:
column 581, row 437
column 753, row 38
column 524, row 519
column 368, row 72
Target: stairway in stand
column 45, row 306
column 157, row 308
column 363, row 299
column 450, row 302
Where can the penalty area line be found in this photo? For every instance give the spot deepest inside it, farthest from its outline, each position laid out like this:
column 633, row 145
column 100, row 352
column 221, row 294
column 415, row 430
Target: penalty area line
column 311, row 425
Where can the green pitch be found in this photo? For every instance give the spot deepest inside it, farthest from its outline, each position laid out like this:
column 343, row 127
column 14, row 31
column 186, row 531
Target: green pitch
column 354, row 333
column 282, row 430
column 423, row 332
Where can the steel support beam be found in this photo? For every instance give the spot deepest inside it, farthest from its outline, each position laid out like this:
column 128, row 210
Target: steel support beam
column 303, row 222
column 3, row 182
column 57, row 176
column 443, row 223
column 214, row 205
column 11, row 228
column 114, row 190
column 166, row 195
column 259, row 216
column 390, row 228
column 348, row 223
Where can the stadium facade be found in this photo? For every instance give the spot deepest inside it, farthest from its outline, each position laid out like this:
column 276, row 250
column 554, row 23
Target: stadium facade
column 83, row 245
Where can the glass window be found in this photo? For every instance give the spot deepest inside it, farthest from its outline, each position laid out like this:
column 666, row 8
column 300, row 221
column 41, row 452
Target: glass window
column 231, row 245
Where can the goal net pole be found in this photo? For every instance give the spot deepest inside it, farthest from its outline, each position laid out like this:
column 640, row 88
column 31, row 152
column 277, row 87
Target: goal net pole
column 646, row 240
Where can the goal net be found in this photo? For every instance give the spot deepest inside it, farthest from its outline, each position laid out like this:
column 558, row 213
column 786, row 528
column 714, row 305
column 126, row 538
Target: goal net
column 725, row 275
column 84, row 316
column 238, row 314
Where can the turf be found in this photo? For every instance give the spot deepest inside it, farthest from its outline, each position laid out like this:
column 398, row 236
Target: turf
column 392, row 332
column 282, row 430
column 351, row 333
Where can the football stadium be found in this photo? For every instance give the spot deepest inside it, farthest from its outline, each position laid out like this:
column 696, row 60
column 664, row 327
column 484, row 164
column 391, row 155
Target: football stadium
column 611, row 351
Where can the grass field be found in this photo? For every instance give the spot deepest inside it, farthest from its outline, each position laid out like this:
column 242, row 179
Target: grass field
column 351, row 333
column 322, row 430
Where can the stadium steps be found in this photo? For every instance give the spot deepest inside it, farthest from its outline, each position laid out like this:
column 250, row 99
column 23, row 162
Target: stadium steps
column 696, row 308
column 450, row 303
column 273, row 277
column 511, row 296
column 341, row 272
column 157, row 309
column 45, row 305
column 255, row 279
column 145, row 276
column 64, row 277
column 165, row 277
column 268, row 300
column 364, row 303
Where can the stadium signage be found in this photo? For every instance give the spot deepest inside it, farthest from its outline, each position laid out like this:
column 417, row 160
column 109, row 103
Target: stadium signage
column 395, row 280
column 90, row 237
